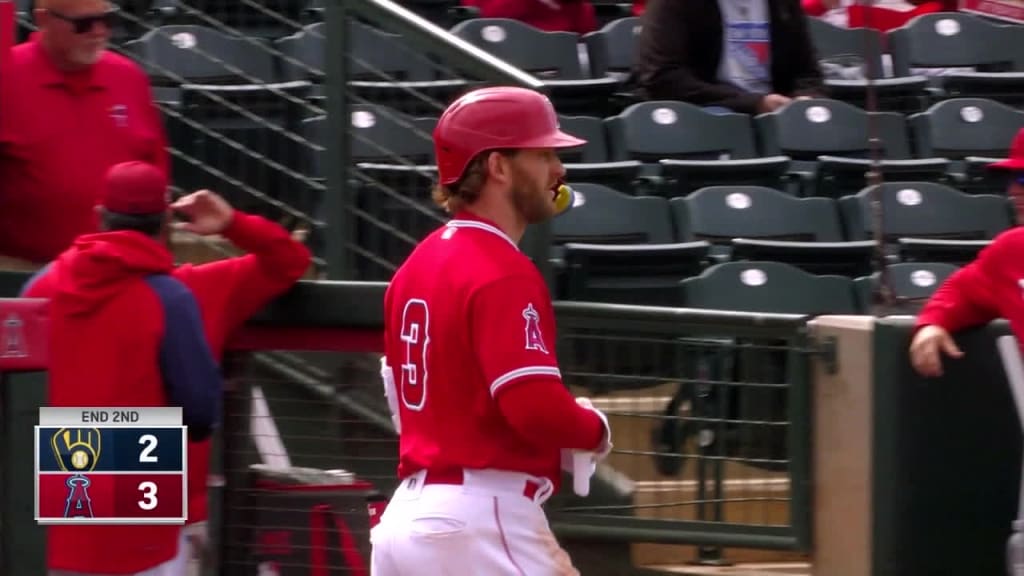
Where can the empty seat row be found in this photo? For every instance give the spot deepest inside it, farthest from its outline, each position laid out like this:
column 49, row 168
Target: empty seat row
column 613, row 246
column 780, row 288
column 810, row 148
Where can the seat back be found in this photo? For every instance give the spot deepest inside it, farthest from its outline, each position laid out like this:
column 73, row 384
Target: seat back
column 912, row 283
column 303, row 54
column 612, row 48
column 806, row 129
column 768, row 287
column 720, row 213
column 551, row 55
column 962, row 127
column 382, row 135
column 950, row 39
column 926, row 210
column 378, row 56
column 655, row 130
column 605, row 216
column 589, row 128
column 847, row 47
column 180, row 54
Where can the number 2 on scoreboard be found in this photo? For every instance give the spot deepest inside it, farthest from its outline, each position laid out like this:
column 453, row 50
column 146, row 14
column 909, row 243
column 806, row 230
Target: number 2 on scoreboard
column 149, row 501
column 149, row 441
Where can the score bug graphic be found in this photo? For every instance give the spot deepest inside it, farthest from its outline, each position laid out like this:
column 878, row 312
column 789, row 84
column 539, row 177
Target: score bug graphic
column 110, row 466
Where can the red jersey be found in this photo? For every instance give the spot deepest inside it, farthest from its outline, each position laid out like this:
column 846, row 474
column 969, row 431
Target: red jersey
column 990, row 287
column 468, row 317
column 59, row 133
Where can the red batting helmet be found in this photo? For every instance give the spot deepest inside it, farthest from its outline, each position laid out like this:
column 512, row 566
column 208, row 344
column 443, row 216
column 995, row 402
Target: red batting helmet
column 493, row 118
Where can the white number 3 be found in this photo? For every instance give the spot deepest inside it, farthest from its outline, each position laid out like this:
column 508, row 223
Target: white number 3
column 149, row 500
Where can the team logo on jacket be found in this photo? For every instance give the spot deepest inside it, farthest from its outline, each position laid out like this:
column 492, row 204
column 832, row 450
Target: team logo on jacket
column 77, row 450
column 534, row 339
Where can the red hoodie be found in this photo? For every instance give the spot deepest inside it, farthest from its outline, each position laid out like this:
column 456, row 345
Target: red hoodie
column 123, row 333
column 990, row 287
column 229, row 292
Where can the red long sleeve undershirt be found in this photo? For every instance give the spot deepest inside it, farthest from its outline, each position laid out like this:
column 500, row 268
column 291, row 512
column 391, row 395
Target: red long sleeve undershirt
column 544, row 412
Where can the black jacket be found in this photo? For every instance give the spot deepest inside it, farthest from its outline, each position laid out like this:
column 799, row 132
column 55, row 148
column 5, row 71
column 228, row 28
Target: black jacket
column 680, row 47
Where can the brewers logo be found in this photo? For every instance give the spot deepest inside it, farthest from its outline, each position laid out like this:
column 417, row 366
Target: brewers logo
column 76, row 449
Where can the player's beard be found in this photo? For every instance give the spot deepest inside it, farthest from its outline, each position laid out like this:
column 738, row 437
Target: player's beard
column 535, row 202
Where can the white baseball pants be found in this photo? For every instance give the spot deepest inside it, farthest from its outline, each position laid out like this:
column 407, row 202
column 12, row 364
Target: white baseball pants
column 486, row 526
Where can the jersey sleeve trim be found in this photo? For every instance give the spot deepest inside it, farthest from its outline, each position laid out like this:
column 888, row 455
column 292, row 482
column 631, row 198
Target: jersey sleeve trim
column 523, row 372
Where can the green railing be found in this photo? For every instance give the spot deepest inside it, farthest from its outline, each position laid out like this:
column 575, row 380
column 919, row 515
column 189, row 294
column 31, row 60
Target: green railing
column 737, row 385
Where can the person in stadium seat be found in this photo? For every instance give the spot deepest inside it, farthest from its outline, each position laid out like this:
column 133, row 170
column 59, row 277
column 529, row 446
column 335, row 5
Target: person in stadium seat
column 746, row 56
column 125, row 332
column 71, row 110
column 548, row 15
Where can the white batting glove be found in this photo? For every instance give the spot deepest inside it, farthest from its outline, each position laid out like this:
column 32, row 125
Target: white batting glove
column 198, row 536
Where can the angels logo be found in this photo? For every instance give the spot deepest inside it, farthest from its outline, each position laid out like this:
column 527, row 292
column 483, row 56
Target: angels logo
column 534, row 339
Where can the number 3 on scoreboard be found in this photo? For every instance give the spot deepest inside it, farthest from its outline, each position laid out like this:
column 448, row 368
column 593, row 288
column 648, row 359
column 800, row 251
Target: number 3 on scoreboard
column 416, row 336
column 149, row 500
column 149, row 441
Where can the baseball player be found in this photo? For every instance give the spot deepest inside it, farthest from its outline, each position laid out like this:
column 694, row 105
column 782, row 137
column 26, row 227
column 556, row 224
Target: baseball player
column 485, row 422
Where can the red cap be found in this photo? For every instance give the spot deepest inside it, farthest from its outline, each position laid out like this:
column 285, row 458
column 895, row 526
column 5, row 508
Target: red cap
column 1016, row 159
column 135, row 188
column 492, row 118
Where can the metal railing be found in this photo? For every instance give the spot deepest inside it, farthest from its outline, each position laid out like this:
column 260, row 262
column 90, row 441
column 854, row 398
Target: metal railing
column 729, row 389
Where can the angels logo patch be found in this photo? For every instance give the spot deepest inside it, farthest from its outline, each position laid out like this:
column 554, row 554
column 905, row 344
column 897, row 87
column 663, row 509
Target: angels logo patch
column 534, row 339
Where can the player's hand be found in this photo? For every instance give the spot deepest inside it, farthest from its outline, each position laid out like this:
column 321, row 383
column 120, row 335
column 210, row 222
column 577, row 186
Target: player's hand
column 207, row 213
column 606, row 443
column 927, row 348
column 772, row 102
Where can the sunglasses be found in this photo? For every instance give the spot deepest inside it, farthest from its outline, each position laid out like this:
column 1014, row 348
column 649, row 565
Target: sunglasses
column 83, row 24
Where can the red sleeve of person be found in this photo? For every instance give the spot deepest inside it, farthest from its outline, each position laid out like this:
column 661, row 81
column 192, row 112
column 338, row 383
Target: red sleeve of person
column 865, row 15
column 548, row 15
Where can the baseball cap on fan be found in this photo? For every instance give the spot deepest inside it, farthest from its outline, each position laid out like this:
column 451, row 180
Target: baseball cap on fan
column 1015, row 162
column 137, row 188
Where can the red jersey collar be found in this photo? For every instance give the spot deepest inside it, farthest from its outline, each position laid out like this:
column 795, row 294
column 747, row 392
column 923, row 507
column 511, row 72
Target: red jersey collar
column 50, row 75
column 467, row 219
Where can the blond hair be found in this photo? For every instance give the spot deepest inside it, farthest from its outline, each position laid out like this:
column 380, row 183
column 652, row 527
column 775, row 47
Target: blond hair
column 467, row 189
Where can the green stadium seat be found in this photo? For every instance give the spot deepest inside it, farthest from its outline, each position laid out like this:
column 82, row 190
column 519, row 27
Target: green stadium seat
column 553, row 57
column 758, row 223
column 829, row 141
column 590, row 162
column 861, row 48
column 614, row 247
column 927, row 221
column 692, row 148
column 973, row 132
column 911, row 283
column 768, row 287
column 962, row 40
column 382, row 68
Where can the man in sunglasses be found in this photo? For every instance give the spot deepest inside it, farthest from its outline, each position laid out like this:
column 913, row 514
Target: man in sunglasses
column 70, row 110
